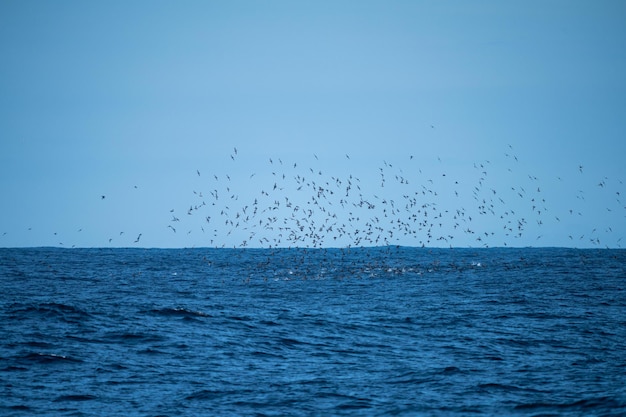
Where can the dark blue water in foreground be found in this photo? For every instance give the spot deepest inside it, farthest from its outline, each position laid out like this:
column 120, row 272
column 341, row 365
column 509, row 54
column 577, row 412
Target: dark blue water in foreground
column 387, row 331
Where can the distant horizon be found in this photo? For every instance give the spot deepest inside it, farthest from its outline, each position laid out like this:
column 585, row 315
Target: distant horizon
column 316, row 248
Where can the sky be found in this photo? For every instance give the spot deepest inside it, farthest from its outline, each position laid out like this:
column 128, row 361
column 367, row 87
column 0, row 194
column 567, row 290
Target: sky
column 312, row 124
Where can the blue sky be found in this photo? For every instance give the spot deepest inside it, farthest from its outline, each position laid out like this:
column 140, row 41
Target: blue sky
column 461, row 123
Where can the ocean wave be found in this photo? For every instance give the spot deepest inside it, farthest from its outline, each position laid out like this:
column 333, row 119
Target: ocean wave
column 587, row 405
column 75, row 397
column 63, row 312
column 178, row 312
column 46, row 358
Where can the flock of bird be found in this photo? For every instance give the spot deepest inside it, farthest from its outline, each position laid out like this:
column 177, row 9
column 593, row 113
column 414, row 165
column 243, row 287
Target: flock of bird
column 292, row 205
column 295, row 204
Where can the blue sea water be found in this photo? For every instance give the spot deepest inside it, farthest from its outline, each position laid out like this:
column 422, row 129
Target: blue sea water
column 317, row 332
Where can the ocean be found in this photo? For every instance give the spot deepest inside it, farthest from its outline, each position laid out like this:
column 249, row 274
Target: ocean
column 388, row 331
